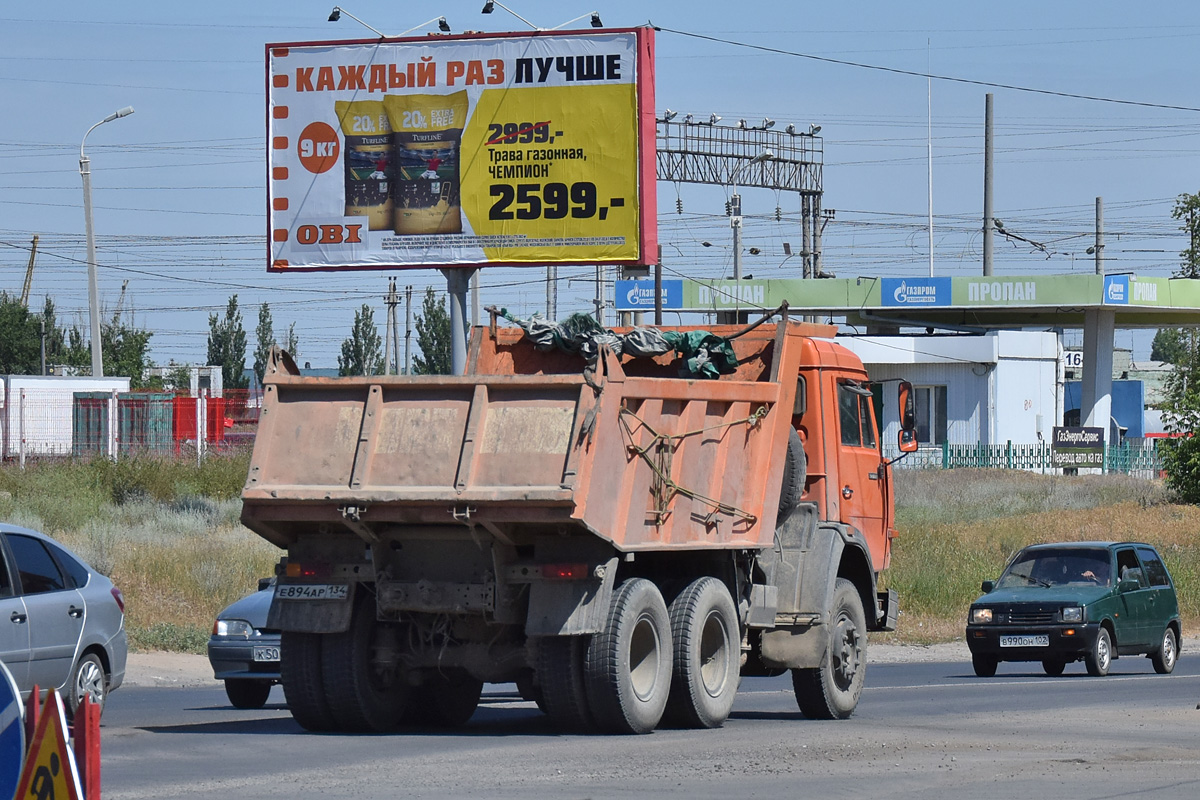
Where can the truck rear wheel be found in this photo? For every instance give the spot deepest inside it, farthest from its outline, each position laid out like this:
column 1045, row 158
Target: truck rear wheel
column 628, row 668
column 445, row 700
column 704, row 682
column 303, row 687
column 563, row 692
column 366, row 694
column 831, row 691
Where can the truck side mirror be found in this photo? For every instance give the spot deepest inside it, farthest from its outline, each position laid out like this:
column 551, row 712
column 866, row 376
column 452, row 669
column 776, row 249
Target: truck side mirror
column 908, row 408
column 907, row 440
column 987, row 586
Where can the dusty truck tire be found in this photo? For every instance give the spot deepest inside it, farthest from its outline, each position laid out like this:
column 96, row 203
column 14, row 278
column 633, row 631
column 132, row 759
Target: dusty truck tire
column 445, row 700
column 795, row 473
column 563, row 689
column 365, row 696
column 300, row 674
column 705, row 665
column 628, row 667
column 831, row 691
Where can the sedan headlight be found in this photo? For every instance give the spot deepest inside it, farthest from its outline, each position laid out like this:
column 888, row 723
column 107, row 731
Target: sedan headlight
column 981, row 616
column 233, row 627
column 1072, row 614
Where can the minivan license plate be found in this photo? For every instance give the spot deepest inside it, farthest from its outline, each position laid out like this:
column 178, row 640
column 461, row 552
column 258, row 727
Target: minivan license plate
column 1035, row 640
column 312, row 591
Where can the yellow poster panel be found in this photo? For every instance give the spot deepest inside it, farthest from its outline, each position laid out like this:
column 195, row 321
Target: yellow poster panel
column 551, row 173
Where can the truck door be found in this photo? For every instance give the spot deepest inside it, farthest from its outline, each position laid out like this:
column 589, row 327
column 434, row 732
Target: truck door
column 859, row 481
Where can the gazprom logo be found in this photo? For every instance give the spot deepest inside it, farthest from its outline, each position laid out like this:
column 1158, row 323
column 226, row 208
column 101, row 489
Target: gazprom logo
column 639, row 295
column 915, row 291
column 1116, row 290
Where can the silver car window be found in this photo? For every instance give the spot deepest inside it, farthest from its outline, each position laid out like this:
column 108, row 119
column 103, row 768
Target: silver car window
column 77, row 573
column 35, row 567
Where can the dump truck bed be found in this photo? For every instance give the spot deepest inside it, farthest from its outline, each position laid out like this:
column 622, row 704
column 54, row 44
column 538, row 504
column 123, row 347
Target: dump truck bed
column 629, row 452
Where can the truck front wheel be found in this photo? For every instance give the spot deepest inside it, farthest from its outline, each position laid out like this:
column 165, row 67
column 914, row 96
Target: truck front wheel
column 303, row 687
column 831, row 691
column 704, row 627
column 628, row 668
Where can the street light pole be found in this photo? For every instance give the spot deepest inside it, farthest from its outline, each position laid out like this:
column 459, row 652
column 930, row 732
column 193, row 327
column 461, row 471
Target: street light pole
column 735, row 222
column 85, row 171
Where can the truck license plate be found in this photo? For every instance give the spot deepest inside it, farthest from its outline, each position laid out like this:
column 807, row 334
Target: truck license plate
column 1035, row 640
column 266, row 653
column 312, row 591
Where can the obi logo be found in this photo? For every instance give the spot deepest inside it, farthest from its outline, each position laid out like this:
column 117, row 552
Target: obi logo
column 328, row 234
column 1116, row 289
column 915, row 291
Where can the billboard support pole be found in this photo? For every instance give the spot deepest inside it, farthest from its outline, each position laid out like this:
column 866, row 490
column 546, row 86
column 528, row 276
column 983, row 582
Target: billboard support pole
column 457, row 282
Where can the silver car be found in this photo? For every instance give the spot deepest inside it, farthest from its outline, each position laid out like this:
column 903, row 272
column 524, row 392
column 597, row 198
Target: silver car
column 62, row 624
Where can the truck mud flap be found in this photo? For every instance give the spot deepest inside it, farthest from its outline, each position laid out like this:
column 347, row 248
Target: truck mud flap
column 311, row 616
column 570, row 608
column 794, row 648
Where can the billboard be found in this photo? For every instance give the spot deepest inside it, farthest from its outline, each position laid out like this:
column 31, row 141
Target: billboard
column 470, row 150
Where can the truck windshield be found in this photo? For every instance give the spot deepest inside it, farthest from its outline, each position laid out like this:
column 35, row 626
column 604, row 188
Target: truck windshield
column 1058, row 567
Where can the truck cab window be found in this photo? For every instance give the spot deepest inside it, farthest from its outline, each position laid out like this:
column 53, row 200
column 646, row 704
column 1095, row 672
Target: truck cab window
column 854, row 411
column 848, row 413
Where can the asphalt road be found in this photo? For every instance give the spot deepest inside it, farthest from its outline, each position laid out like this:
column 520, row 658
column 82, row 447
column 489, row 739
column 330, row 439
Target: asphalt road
column 921, row 730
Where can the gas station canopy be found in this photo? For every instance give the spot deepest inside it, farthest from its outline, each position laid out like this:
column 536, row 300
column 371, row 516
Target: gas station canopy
column 1099, row 304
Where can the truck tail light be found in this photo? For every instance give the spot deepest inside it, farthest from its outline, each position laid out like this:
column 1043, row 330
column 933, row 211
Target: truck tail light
column 565, row 572
column 314, row 569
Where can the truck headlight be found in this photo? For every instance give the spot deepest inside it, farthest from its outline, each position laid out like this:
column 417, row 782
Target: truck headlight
column 1072, row 614
column 981, row 616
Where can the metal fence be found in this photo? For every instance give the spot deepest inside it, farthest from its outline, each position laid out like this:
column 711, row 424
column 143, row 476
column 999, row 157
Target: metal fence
column 1139, row 459
column 53, row 422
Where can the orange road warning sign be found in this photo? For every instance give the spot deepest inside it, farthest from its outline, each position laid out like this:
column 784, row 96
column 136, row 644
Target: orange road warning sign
column 49, row 772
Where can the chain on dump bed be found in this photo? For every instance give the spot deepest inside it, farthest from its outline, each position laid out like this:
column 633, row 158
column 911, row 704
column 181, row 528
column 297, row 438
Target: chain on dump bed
column 658, row 455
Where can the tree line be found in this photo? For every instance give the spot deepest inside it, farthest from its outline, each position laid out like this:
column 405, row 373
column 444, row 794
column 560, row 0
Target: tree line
column 29, row 339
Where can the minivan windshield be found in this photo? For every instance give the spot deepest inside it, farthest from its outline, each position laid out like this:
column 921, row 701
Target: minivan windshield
column 1058, row 567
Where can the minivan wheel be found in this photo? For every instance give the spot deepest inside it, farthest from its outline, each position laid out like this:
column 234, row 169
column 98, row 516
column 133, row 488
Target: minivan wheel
column 1099, row 658
column 1167, row 654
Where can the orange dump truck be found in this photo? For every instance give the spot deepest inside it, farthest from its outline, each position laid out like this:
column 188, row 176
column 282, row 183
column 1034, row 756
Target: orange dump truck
column 619, row 542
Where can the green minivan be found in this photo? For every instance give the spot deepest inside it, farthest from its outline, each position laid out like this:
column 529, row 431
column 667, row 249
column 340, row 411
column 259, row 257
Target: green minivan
column 1072, row 601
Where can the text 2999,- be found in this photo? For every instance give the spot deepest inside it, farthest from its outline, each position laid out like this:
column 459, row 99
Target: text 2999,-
column 549, row 201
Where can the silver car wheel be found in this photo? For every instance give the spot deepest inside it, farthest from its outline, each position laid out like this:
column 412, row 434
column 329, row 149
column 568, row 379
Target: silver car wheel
column 89, row 681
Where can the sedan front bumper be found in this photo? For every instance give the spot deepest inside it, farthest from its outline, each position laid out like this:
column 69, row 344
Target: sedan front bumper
column 234, row 658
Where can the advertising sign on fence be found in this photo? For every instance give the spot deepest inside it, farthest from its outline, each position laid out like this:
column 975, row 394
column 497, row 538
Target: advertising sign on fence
column 1078, row 447
column 514, row 149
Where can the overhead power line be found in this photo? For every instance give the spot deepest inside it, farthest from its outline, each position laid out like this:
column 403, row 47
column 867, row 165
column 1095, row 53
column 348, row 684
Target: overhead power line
column 916, row 74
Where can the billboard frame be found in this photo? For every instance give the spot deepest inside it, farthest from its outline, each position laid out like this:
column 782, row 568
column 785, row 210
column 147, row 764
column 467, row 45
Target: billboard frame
column 646, row 233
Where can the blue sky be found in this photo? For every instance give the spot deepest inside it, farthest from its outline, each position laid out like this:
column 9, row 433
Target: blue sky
column 179, row 196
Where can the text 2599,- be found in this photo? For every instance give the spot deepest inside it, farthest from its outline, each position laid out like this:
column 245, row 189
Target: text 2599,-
column 549, row 201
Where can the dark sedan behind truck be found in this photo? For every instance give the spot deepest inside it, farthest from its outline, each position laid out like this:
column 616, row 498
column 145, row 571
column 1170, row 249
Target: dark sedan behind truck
column 1077, row 601
column 243, row 651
